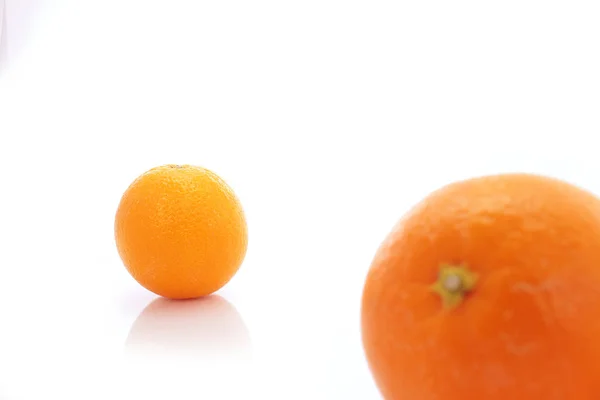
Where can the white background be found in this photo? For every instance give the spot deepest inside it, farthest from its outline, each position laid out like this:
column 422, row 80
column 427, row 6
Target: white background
column 328, row 118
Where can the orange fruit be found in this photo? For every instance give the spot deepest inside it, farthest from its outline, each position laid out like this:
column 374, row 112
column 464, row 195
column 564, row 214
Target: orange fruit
column 181, row 231
column 488, row 289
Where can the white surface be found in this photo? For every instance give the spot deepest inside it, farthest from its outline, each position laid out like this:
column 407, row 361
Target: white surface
column 20, row 20
column 328, row 118
column 2, row 36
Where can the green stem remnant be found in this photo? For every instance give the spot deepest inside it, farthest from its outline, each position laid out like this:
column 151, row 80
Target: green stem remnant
column 453, row 284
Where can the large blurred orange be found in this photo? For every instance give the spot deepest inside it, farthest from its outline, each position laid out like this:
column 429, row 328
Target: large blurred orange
column 489, row 289
column 181, row 231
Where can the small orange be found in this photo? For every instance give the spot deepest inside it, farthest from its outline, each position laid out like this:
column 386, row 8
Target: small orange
column 488, row 289
column 181, row 231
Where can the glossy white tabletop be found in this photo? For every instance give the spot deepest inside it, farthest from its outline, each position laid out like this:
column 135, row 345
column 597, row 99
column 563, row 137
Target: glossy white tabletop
column 328, row 118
